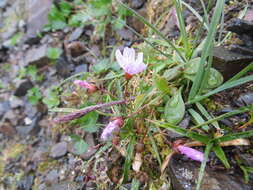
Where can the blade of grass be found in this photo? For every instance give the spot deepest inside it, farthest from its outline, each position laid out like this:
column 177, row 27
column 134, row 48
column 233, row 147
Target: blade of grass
column 229, row 114
column 181, row 131
column 207, row 115
column 221, row 155
column 242, row 72
column 198, row 16
column 233, row 136
column 203, row 165
column 142, row 19
column 208, row 44
column 135, row 184
column 225, row 86
column 155, row 148
column 182, row 27
column 128, row 159
column 143, row 38
column 197, row 117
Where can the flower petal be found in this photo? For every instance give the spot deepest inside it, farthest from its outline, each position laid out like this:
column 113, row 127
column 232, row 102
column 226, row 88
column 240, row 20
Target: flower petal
column 120, row 58
column 129, row 54
column 191, row 153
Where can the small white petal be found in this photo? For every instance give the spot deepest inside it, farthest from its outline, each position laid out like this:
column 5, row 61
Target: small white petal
column 120, row 58
column 139, row 59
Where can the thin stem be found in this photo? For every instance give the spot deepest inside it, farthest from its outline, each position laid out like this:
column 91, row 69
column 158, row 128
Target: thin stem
column 82, row 112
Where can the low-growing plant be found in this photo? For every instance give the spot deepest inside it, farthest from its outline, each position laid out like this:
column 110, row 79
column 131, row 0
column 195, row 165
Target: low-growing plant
column 153, row 93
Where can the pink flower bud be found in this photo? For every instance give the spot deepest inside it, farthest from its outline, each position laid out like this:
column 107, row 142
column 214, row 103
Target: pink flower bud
column 191, row 153
column 111, row 128
column 91, row 87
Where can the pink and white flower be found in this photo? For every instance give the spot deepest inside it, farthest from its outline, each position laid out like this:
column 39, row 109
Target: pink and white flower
column 128, row 61
column 191, row 153
column 91, row 87
column 112, row 128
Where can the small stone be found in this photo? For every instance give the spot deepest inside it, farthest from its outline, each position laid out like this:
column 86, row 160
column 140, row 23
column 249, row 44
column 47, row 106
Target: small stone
column 81, row 68
column 136, row 4
column 125, row 34
column 22, row 87
column 7, row 129
column 59, row 150
column 245, row 99
column 3, row 3
column 63, row 67
column 75, row 34
column 4, row 107
column 52, row 177
column 37, row 16
column 26, row 182
column 16, row 102
column 37, row 56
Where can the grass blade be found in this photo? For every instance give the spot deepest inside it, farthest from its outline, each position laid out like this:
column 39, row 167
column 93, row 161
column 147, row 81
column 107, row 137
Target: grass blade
column 233, row 136
column 208, row 44
column 242, row 72
column 155, row 148
column 128, row 159
column 235, row 112
column 227, row 85
column 197, row 117
column 182, row 27
column 203, row 165
column 207, row 115
column 184, row 132
column 142, row 19
column 221, row 155
column 198, row 16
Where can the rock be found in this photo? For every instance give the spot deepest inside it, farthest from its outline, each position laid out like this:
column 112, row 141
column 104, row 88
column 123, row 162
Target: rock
column 26, row 182
column 52, row 177
column 125, row 34
column 3, row 3
column 22, row 86
column 16, row 102
column 31, row 129
column 245, row 99
column 185, row 174
column 59, row 150
column 4, row 107
column 63, row 67
column 30, row 110
column 11, row 116
column 81, row 68
column 75, row 49
column 76, row 34
column 40, row 154
column 7, row 129
column 37, row 56
column 136, row 4
column 37, row 16
column 228, row 62
column 66, row 185
column 249, row 15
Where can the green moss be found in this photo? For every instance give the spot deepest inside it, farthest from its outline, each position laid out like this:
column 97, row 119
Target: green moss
column 44, row 166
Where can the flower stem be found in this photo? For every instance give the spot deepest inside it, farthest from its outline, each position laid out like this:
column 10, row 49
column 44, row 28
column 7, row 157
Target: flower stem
column 82, row 112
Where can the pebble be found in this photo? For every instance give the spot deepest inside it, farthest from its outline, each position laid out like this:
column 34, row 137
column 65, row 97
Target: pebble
column 58, row 150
